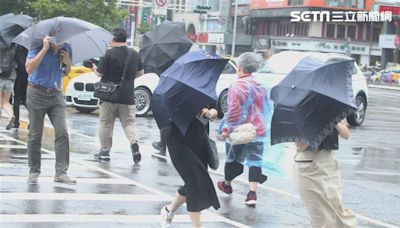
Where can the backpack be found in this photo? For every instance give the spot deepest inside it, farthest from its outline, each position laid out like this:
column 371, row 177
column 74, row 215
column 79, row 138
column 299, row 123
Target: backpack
column 7, row 64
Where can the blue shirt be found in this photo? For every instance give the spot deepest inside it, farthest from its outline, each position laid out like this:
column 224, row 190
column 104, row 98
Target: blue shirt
column 48, row 74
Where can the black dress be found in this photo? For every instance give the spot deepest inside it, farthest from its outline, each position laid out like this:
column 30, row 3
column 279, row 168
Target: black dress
column 188, row 156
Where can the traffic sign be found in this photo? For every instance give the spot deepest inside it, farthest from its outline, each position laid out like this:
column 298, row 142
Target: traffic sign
column 161, row 2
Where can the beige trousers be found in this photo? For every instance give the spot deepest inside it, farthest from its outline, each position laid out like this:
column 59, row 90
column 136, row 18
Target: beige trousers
column 318, row 179
column 108, row 113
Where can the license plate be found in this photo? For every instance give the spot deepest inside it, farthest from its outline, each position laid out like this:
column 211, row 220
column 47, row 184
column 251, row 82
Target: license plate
column 85, row 96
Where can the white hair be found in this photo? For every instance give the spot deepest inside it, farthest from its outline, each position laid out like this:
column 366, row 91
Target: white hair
column 250, row 62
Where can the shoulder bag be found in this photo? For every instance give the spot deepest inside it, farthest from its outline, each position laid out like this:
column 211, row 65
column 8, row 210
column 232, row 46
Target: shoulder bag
column 111, row 91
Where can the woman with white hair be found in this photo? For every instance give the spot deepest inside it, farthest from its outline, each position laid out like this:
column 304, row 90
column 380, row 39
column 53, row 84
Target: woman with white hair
column 247, row 103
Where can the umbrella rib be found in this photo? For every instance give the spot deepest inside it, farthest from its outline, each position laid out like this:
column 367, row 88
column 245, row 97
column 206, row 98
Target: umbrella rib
column 92, row 40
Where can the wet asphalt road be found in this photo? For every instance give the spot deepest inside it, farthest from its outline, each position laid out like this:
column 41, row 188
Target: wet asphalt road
column 120, row 194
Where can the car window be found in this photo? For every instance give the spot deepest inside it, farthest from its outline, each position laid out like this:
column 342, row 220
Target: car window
column 229, row 69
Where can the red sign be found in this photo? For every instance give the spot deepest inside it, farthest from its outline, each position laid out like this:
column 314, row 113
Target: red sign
column 161, row 2
column 192, row 37
column 394, row 9
column 202, row 37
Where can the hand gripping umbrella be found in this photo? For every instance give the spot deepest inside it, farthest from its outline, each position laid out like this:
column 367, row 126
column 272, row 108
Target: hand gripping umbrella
column 86, row 39
column 186, row 87
column 311, row 100
column 163, row 45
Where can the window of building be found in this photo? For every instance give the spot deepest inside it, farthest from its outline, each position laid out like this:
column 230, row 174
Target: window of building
column 330, row 30
column 351, row 31
column 284, row 28
column 214, row 5
column 295, row 2
column 375, row 34
column 301, row 29
column 341, row 31
column 346, row 3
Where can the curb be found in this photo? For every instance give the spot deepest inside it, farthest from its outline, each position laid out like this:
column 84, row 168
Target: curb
column 384, row 87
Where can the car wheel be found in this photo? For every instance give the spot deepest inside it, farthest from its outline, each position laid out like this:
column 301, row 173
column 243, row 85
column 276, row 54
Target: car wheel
column 222, row 104
column 357, row 118
column 85, row 110
column 142, row 101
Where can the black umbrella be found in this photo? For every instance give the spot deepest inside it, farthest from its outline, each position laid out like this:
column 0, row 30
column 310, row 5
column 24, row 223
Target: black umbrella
column 311, row 100
column 11, row 25
column 186, row 87
column 87, row 40
column 163, row 45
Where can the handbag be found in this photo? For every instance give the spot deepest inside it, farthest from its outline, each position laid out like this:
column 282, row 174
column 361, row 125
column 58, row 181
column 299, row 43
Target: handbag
column 243, row 134
column 111, row 91
column 212, row 152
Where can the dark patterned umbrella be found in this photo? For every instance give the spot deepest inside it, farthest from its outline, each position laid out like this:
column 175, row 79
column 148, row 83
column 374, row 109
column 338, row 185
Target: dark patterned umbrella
column 163, row 45
column 311, row 100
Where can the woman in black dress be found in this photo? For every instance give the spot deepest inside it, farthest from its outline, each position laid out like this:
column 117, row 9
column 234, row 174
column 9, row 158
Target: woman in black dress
column 188, row 154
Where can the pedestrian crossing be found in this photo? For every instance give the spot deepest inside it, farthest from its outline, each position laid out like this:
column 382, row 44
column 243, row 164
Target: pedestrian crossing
column 100, row 197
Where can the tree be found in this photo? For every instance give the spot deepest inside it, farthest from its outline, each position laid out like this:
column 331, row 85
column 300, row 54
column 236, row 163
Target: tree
column 100, row 12
column 15, row 6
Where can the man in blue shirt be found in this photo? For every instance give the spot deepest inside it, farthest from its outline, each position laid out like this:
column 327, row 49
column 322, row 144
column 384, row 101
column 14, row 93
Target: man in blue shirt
column 46, row 66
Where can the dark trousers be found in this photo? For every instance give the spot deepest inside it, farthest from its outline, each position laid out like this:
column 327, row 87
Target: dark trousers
column 39, row 104
column 234, row 169
column 163, row 144
column 19, row 94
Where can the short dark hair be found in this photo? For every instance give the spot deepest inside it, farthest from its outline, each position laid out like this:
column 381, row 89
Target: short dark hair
column 119, row 35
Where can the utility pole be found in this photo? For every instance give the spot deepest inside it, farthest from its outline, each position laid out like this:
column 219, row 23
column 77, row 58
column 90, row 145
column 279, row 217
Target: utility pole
column 234, row 30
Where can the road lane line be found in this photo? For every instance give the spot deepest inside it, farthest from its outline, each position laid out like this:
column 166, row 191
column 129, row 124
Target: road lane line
column 83, row 197
column 3, row 146
column 127, row 180
column 80, row 180
column 57, row 218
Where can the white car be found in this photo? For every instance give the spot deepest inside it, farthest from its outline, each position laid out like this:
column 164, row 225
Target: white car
column 280, row 64
column 80, row 91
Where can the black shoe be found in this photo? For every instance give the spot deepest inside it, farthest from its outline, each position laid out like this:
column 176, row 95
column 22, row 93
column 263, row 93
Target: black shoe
column 156, row 145
column 162, row 152
column 263, row 178
column 16, row 124
column 135, row 153
column 10, row 123
column 103, row 155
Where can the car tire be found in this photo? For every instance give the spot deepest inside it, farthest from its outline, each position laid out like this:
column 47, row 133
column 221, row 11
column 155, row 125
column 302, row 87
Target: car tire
column 222, row 105
column 142, row 101
column 85, row 110
column 357, row 118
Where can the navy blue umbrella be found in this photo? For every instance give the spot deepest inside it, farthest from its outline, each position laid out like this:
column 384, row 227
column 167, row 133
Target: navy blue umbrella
column 186, row 87
column 311, row 100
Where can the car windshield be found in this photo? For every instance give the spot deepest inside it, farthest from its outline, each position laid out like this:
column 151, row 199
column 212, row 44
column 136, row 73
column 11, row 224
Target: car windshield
column 280, row 63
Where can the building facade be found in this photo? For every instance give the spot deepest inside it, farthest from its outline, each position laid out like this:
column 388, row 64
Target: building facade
column 272, row 28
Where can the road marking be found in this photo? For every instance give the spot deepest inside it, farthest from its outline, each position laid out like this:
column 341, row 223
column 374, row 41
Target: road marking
column 57, row 218
column 3, row 146
column 127, row 180
column 80, row 180
column 83, row 197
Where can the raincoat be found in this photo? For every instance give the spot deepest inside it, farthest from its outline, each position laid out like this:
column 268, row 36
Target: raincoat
column 248, row 102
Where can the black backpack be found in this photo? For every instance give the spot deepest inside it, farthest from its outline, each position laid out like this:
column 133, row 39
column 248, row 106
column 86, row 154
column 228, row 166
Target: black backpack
column 7, row 64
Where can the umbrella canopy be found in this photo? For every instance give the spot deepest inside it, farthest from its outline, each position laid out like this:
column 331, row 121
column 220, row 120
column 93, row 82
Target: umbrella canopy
column 311, row 100
column 86, row 39
column 186, row 87
column 163, row 45
column 11, row 25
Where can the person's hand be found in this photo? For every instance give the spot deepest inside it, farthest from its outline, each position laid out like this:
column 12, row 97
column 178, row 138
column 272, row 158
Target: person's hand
column 223, row 135
column 208, row 113
column 66, row 59
column 46, row 42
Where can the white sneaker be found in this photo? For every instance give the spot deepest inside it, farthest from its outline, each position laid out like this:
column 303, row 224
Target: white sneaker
column 166, row 217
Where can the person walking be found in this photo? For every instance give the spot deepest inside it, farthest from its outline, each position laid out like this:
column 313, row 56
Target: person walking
column 189, row 157
column 161, row 145
column 110, row 69
column 317, row 176
column 21, row 82
column 247, row 103
column 7, row 78
column 45, row 66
